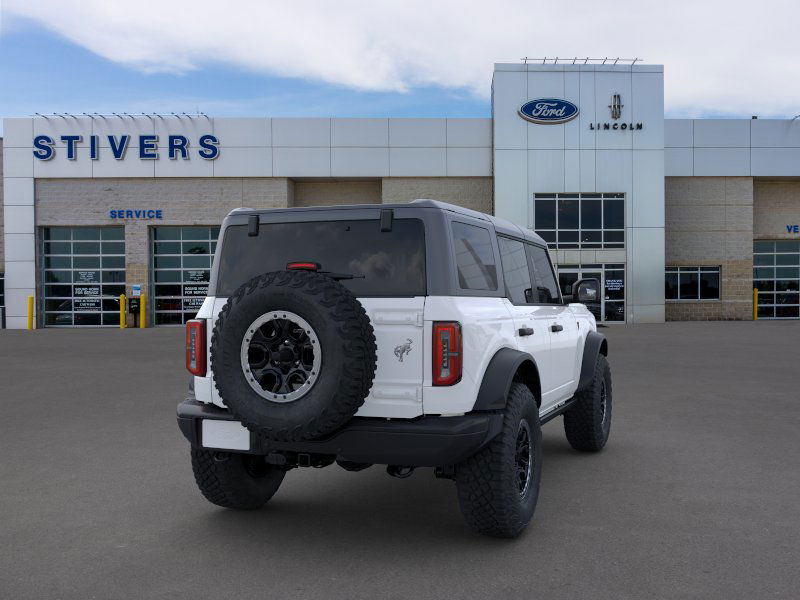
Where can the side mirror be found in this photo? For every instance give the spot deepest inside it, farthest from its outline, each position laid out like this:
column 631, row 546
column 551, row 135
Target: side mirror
column 587, row 291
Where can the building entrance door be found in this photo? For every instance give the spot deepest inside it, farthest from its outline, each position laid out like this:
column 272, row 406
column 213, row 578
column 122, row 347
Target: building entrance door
column 83, row 275
column 611, row 277
column 181, row 260
column 776, row 274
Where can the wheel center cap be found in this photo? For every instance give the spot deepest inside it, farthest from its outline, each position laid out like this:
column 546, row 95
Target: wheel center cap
column 286, row 355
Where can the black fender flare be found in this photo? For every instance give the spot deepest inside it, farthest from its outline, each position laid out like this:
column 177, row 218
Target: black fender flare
column 596, row 344
column 499, row 375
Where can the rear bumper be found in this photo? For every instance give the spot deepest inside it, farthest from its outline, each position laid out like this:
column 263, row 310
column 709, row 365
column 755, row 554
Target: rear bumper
column 429, row 441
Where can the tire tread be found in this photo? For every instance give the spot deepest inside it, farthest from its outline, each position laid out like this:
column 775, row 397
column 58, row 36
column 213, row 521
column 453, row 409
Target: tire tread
column 224, row 482
column 489, row 502
column 583, row 422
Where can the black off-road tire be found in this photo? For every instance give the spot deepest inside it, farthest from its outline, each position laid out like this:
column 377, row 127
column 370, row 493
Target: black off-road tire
column 588, row 423
column 240, row 481
column 488, row 489
column 348, row 354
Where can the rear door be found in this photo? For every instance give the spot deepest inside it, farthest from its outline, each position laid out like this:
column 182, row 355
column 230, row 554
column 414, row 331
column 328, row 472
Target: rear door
column 531, row 322
column 560, row 322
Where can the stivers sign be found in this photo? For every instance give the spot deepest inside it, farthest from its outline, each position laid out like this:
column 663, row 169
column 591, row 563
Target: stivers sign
column 149, row 146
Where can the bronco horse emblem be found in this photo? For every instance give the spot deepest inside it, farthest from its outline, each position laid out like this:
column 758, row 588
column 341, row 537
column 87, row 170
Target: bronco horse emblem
column 403, row 349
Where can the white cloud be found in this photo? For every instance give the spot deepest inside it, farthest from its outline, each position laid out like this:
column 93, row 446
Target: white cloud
column 719, row 56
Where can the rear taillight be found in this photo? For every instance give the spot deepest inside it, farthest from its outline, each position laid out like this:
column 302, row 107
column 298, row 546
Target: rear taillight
column 196, row 347
column 447, row 356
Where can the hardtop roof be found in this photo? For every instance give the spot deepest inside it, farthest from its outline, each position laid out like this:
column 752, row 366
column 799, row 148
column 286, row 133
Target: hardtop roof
column 501, row 225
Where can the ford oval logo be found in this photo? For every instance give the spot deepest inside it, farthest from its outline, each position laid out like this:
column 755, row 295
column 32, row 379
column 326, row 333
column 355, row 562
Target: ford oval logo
column 548, row 111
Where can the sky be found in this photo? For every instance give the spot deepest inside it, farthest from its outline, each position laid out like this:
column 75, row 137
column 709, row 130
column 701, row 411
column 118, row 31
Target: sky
column 356, row 58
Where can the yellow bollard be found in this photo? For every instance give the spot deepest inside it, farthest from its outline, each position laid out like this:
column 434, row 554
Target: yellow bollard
column 755, row 304
column 122, row 323
column 30, row 312
column 142, row 311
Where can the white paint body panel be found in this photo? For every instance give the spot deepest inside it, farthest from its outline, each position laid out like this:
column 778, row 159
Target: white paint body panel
column 204, row 389
column 538, row 344
column 563, row 356
column 486, row 326
column 397, row 388
column 404, row 389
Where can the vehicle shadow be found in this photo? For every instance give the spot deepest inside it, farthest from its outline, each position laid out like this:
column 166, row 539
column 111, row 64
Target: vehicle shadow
column 338, row 507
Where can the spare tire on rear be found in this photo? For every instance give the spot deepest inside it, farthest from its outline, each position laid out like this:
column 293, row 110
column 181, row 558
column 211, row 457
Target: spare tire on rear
column 293, row 355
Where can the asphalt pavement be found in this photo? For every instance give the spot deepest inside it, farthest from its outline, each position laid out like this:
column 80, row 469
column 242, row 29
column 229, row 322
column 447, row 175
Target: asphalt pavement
column 697, row 494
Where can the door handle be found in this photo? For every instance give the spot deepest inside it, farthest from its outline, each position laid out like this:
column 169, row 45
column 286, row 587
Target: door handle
column 556, row 328
column 525, row 331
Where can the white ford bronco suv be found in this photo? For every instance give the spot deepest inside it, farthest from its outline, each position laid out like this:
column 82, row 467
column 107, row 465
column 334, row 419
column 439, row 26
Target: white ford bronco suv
column 407, row 335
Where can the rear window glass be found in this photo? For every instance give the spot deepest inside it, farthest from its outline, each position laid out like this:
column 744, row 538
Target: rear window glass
column 392, row 262
column 474, row 257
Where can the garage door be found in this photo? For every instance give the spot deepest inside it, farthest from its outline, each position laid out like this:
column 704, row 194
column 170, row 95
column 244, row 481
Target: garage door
column 776, row 274
column 181, row 271
column 83, row 275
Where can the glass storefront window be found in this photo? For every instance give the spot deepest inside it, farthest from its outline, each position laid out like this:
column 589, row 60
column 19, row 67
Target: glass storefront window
column 691, row 283
column 580, row 220
column 776, row 275
column 75, row 263
column 181, row 269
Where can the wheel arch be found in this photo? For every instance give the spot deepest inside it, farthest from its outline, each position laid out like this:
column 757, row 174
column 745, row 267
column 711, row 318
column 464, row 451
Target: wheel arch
column 505, row 367
column 596, row 344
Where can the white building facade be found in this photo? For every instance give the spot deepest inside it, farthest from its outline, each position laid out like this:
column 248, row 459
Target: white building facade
column 680, row 219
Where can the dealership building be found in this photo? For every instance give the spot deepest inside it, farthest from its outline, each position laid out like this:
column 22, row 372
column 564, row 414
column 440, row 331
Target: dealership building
column 679, row 218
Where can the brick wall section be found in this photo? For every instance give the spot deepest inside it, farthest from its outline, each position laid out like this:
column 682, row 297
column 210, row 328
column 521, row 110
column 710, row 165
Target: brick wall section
column 709, row 222
column 330, row 193
column 290, row 192
column 469, row 192
column 776, row 204
column 184, row 201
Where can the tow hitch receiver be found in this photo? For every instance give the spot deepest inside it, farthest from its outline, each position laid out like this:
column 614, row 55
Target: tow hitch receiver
column 399, row 471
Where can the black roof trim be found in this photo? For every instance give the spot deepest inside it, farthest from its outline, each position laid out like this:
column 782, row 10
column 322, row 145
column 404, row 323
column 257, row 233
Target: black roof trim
column 501, row 225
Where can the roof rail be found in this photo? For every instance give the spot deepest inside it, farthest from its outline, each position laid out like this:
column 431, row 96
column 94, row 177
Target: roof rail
column 581, row 61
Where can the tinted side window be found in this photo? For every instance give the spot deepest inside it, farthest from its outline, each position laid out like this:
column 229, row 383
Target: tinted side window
column 546, row 288
column 474, row 257
column 515, row 270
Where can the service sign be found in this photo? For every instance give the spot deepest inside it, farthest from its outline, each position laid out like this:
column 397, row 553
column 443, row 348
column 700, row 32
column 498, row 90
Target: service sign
column 87, row 290
column 195, row 290
column 548, row 111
